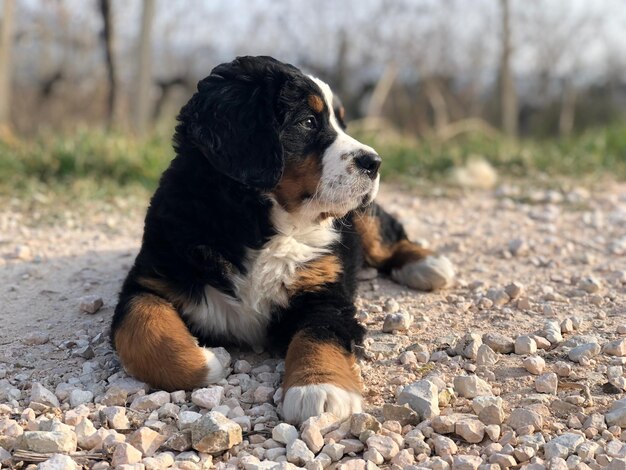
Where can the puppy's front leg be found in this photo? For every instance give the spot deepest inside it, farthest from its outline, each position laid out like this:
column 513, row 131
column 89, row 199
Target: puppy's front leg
column 320, row 375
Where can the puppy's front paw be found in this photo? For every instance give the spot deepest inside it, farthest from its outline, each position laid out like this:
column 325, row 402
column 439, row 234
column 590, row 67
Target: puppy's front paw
column 320, row 377
column 430, row 273
column 302, row 402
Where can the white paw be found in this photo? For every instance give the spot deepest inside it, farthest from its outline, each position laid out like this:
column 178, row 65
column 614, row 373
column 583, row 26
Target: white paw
column 217, row 370
column 300, row 403
column 431, row 273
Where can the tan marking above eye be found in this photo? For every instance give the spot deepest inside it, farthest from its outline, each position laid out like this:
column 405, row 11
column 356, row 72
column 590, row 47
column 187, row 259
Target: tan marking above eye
column 316, row 103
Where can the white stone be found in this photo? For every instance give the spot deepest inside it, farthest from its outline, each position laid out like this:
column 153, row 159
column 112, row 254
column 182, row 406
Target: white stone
column 423, row 397
column 49, row 441
column 214, row 433
column 563, row 445
column 471, row 386
column 116, row 417
column 150, row 402
column 615, row 348
column 334, row 451
column 187, row 418
column 444, row 446
column 90, row 304
column 524, row 344
column 471, row 430
column 534, row 364
column 284, row 433
column 125, row 454
column 397, row 322
column 385, row 445
column 58, row 462
column 146, row 440
column 80, row 397
column 466, row 462
column 499, row 343
column 298, row 453
column 547, row 383
column 485, row 356
column 521, row 417
column 40, row 394
column 587, row 351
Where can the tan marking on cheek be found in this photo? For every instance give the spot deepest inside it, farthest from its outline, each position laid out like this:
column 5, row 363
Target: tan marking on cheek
column 385, row 255
column 311, row 362
column 316, row 103
column 313, row 276
column 299, row 181
column 155, row 345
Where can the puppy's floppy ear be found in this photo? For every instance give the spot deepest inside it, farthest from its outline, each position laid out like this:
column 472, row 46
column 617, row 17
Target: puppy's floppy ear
column 231, row 119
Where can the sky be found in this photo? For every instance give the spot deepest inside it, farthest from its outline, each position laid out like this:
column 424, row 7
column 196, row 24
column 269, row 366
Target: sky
column 579, row 38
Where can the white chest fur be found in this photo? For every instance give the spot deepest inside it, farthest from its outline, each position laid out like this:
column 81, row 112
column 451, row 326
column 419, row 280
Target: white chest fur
column 271, row 270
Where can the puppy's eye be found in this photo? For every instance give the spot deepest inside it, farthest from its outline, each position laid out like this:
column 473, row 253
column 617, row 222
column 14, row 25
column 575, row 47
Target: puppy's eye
column 309, row 123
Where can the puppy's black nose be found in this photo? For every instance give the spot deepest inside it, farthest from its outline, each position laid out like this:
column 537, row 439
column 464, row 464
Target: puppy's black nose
column 369, row 163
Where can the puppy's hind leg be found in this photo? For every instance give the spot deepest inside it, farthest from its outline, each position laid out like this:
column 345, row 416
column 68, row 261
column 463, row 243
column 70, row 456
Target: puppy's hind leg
column 387, row 248
column 155, row 345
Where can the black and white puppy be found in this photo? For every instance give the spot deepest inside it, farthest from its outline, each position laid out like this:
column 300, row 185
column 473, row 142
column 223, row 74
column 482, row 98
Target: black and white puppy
column 254, row 237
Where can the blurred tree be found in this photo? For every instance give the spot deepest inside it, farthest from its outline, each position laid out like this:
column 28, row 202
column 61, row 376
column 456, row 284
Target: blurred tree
column 508, row 93
column 144, row 75
column 107, row 37
column 6, row 44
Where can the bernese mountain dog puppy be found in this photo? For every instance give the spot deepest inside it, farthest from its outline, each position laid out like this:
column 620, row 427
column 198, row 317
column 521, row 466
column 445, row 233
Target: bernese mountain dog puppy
column 255, row 236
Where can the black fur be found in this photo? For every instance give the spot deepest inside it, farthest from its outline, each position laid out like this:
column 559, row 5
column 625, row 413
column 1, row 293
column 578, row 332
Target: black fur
column 234, row 138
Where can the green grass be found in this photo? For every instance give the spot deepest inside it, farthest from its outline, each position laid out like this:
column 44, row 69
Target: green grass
column 95, row 163
column 594, row 154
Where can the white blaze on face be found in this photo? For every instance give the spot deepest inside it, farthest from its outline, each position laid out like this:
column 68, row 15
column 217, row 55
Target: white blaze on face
column 342, row 185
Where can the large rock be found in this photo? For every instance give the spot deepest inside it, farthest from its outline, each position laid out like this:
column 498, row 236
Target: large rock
column 385, row 445
column 423, row 397
column 284, row 433
column 151, row 402
column 214, row 433
column 466, row 462
column 525, row 345
column 298, row 453
column 471, row 386
column 125, row 454
column 146, row 440
column 562, row 446
column 587, row 351
column 444, row 446
column 499, row 343
column 547, row 383
column 58, row 462
column 521, row 417
column 615, row 348
column 209, row 397
column 471, row 430
column 40, row 394
column 49, row 441
column 361, row 422
column 616, row 417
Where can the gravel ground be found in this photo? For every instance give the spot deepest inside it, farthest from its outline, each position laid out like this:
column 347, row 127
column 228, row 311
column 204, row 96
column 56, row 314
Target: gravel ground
column 519, row 365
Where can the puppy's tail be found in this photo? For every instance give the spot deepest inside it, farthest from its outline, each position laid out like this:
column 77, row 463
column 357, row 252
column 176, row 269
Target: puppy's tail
column 155, row 345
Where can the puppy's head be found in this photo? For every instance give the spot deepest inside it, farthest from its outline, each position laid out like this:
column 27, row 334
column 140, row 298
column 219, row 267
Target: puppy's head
column 266, row 125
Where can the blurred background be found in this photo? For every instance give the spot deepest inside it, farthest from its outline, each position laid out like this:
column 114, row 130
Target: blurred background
column 89, row 89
